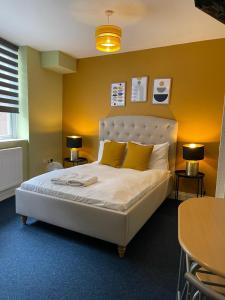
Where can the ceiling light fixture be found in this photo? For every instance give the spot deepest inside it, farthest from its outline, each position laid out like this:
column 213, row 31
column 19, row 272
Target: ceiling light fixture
column 108, row 36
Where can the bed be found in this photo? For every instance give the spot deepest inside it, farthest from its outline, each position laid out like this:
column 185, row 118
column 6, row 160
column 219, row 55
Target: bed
column 117, row 224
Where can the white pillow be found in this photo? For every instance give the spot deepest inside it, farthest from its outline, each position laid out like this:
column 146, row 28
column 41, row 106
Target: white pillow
column 159, row 157
column 100, row 149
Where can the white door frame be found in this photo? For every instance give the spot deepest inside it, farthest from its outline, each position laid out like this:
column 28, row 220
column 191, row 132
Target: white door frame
column 220, row 182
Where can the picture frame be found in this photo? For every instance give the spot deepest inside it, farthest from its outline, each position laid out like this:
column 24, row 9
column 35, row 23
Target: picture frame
column 118, row 94
column 139, row 89
column 161, row 90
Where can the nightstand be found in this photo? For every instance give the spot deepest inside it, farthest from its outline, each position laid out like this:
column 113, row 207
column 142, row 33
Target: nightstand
column 199, row 178
column 76, row 162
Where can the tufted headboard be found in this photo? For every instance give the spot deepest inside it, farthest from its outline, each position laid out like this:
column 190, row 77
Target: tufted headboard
column 142, row 129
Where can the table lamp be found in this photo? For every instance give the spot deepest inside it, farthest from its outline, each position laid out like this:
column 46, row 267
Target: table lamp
column 74, row 142
column 192, row 153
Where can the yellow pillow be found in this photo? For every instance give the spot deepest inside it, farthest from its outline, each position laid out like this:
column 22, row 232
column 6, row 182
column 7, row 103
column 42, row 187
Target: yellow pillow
column 137, row 156
column 113, row 154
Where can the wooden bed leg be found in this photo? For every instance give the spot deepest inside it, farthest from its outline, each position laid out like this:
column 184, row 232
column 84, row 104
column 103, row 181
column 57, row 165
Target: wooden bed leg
column 23, row 219
column 121, row 251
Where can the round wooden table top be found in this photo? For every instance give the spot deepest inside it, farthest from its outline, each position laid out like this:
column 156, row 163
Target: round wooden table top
column 201, row 232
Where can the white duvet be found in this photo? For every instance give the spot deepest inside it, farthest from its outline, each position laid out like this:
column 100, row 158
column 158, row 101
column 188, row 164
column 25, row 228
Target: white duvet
column 116, row 189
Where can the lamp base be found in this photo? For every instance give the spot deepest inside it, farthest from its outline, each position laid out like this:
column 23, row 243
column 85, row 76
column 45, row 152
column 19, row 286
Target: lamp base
column 192, row 168
column 74, row 154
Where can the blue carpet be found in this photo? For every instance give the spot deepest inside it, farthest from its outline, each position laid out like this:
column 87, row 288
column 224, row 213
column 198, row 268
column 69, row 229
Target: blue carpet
column 41, row 261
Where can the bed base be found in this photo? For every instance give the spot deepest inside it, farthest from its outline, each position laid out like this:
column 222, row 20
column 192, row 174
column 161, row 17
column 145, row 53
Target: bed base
column 112, row 226
column 23, row 219
column 121, row 249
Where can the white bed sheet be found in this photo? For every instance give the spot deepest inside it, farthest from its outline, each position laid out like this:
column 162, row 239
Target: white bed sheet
column 117, row 188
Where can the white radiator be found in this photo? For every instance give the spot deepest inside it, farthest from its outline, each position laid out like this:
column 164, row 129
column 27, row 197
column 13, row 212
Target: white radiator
column 11, row 170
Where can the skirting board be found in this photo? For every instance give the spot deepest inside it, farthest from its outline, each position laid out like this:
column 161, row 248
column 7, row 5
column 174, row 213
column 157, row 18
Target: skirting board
column 7, row 193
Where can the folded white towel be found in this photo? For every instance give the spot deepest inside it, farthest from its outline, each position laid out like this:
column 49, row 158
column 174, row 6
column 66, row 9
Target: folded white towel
column 75, row 180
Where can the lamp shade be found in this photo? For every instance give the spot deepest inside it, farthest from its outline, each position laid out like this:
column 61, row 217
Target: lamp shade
column 74, row 141
column 193, row 152
column 108, row 38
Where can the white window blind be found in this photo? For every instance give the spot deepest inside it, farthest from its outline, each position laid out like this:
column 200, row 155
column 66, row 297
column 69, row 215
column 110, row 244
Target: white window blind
column 9, row 96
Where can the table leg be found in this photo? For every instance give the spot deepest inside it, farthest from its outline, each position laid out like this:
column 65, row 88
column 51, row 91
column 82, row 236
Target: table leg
column 188, row 267
column 202, row 192
column 198, row 187
column 202, row 188
column 180, row 283
column 177, row 188
column 184, row 290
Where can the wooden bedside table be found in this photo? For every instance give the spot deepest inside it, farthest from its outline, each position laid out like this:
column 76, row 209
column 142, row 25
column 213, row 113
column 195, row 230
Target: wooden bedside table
column 76, row 162
column 199, row 178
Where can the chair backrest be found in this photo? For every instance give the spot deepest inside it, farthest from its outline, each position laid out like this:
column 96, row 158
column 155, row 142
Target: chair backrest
column 202, row 288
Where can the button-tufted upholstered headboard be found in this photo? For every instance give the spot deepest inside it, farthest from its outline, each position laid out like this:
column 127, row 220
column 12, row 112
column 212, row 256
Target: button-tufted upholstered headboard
column 142, row 129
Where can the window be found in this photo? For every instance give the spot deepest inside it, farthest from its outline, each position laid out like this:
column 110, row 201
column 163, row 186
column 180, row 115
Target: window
column 9, row 96
column 8, row 125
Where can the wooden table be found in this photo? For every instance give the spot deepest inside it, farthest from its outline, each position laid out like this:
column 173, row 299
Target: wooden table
column 201, row 232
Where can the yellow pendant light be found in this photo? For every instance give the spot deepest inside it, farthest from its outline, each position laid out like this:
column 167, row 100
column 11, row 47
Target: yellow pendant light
column 108, row 36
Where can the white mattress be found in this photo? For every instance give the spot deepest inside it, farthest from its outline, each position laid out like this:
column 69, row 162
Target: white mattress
column 116, row 189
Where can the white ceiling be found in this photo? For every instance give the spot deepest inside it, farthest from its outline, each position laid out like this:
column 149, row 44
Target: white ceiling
column 69, row 25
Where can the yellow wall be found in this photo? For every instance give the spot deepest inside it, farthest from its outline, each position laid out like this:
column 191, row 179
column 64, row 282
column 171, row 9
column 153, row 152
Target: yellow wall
column 45, row 114
column 41, row 111
column 198, row 88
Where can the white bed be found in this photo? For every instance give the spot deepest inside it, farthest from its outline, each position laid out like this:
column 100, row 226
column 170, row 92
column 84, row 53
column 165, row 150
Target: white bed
column 109, row 210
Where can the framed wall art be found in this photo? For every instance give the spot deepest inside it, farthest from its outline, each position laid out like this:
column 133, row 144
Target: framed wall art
column 139, row 87
column 161, row 91
column 118, row 93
